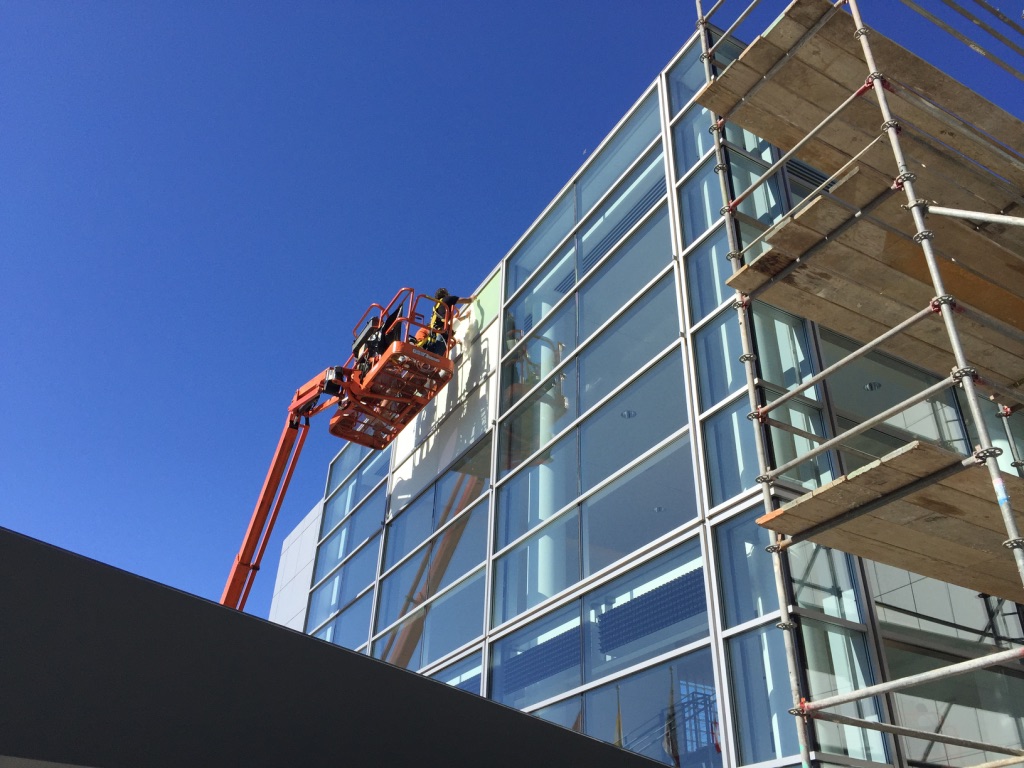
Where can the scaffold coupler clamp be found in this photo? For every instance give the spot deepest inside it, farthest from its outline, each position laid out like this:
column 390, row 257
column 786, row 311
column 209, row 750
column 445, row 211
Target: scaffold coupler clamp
column 758, row 414
column 892, row 124
column 880, row 78
column 800, row 711
column 717, row 126
column 924, row 234
column 902, row 179
column 786, row 626
column 959, row 374
column 937, row 303
column 984, row 454
column 1017, row 543
column 742, row 301
column 919, row 203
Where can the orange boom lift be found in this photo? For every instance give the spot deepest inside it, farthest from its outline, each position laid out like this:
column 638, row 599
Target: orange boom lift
column 384, row 384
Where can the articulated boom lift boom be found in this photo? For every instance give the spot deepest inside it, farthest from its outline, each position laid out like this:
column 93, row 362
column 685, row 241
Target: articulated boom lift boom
column 385, row 383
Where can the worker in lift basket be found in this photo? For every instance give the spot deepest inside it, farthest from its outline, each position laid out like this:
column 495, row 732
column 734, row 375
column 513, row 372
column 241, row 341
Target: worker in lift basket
column 434, row 338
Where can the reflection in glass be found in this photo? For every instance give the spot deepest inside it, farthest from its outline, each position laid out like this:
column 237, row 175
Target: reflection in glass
column 619, row 153
column 649, row 611
column 633, row 265
column 547, row 234
column 759, row 680
column 668, row 713
column 351, row 628
column 823, row 579
column 784, row 357
column 567, row 713
column 457, row 549
column 731, row 455
column 692, row 138
column 646, row 412
column 539, row 355
column 686, row 78
column 539, row 490
column 464, row 675
column 343, row 464
column 347, row 582
column 623, row 348
column 650, row 500
column 538, row 568
column 700, row 201
column 437, row 628
column 706, row 271
column 547, row 412
column 765, row 203
column 360, row 525
column 718, row 348
column 837, row 662
column 410, row 527
column 540, row 297
column 745, row 569
column 539, row 661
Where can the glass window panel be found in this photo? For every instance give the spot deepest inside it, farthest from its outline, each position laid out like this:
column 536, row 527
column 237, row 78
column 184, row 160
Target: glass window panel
column 347, row 582
column 539, row 661
column 545, row 236
column 837, row 662
column 759, row 680
column 538, row 491
column 731, row 453
column 344, row 463
column 438, row 628
column 686, row 78
column 745, row 140
column 707, row 268
column 650, row 500
column 360, row 525
column 539, row 355
column 692, row 138
column 549, row 410
column 876, row 382
column 539, row 568
column 464, row 675
column 634, row 264
column 409, row 528
column 650, row 611
column 645, row 329
column 718, row 347
column 355, row 488
column 398, row 589
column 537, row 300
column 461, row 485
column 783, row 348
column 372, row 472
column 786, row 446
column 352, row 627
column 568, row 713
column 823, row 579
column 619, row 153
column 635, row 196
column 646, row 412
column 668, row 713
column 765, row 203
column 330, row 553
column 700, row 201
column 986, row 705
column 745, row 569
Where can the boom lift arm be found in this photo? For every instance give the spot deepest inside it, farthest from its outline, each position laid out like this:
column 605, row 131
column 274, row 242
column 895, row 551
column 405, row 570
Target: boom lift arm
column 385, row 383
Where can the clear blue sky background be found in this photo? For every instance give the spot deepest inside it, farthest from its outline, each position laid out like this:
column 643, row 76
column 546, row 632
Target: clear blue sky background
column 198, row 200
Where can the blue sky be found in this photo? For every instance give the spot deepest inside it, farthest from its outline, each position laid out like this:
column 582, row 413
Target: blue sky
column 198, row 200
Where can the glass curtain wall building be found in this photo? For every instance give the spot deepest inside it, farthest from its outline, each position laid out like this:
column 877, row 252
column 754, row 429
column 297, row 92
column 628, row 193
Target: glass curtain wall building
column 569, row 528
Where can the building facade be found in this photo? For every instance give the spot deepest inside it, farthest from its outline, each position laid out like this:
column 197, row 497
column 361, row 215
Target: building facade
column 569, row 528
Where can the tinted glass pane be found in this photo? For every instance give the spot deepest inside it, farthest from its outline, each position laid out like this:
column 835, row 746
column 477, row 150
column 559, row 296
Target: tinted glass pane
column 731, row 453
column 651, row 610
column 352, row 627
column 549, row 410
column 539, row 355
column 347, row 582
column 647, row 411
column 409, row 529
column 538, row 568
column 718, row 348
column 759, row 680
column 667, row 713
column 692, row 138
column 786, row 446
column 548, row 233
column 631, row 341
column 568, row 713
column 837, row 662
column 538, row 491
column 745, row 569
column 648, row 501
column 634, row 264
column 707, row 269
column 685, row 78
column 700, row 201
column 344, row 464
column 765, row 203
column 464, row 675
column 461, row 485
column 539, row 661
column 619, row 153
column 823, row 579
column 635, row 196
column 357, row 528
column 783, row 347
column 537, row 300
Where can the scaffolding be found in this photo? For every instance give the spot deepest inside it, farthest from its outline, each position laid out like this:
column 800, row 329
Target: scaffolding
column 858, row 254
